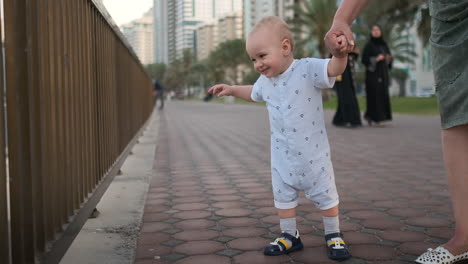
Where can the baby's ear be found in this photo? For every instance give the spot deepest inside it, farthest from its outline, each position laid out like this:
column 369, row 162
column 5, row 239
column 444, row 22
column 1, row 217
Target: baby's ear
column 286, row 46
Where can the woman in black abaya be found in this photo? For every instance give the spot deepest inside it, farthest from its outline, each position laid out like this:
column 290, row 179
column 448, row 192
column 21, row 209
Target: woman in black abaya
column 347, row 113
column 378, row 60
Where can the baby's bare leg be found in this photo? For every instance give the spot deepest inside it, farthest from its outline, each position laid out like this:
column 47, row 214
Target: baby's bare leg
column 332, row 212
column 287, row 213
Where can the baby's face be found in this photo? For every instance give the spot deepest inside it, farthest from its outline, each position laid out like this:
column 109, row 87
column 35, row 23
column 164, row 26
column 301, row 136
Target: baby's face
column 267, row 53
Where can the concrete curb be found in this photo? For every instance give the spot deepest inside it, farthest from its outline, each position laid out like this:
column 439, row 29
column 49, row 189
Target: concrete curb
column 112, row 236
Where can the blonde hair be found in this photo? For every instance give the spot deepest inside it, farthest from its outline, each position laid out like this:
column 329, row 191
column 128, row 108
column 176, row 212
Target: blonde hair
column 275, row 24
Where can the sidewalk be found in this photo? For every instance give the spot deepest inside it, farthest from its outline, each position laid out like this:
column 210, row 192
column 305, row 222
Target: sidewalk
column 210, row 199
column 111, row 237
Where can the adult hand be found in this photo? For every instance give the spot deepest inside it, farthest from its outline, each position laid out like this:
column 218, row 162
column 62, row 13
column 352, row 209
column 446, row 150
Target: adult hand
column 389, row 58
column 381, row 57
column 339, row 48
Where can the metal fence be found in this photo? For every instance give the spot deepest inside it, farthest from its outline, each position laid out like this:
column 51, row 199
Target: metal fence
column 4, row 249
column 77, row 97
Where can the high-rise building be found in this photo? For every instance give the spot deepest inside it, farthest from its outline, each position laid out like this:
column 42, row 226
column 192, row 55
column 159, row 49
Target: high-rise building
column 206, row 35
column 191, row 13
column 176, row 21
column 225, row 7
column 254, row 10
column 210, row 35
column 161, row 26
column 139, row 34
column 230, row 27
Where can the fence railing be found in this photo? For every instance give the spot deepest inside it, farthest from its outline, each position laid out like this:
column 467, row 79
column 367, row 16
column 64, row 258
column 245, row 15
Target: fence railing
column 4, row 248
column 77, row 97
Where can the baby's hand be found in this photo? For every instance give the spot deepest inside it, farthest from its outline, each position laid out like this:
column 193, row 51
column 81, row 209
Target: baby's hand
column 221, row 90
column 342, row 43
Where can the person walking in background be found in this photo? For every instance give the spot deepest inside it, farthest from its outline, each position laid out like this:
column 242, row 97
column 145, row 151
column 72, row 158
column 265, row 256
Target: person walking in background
column 300, row 152
column 347, row 112
column 378, row 60
column 158, row 92
column 449, row 41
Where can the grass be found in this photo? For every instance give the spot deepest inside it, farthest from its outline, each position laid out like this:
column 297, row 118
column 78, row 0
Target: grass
column 401, row 105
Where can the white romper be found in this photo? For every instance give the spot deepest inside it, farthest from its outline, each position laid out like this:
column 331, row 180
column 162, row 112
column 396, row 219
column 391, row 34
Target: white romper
column 300, row 152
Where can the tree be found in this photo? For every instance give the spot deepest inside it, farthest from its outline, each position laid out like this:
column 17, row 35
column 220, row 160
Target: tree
column 394, row 17
column 156, row 70
column 226, row 58
column 312, row 20
column 171, row 78
column 177, row 75
column 399, row 12
column 198, row 72
column 424, row 24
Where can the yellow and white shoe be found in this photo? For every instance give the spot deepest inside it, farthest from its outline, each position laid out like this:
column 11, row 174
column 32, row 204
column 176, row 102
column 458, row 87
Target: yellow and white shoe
column 284, row 244
column 336, row 247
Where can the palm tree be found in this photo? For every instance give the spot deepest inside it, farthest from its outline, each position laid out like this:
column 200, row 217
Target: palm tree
column 424, row 24
column 312, row 20
column 395, row 17
column 399, row 12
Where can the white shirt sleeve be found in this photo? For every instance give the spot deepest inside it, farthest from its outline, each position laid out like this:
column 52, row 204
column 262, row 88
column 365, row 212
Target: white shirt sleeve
column 257, row 91
column 319, row 73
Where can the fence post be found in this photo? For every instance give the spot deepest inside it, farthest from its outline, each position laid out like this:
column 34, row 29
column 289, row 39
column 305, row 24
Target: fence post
column 18, row 48
column 4, row 223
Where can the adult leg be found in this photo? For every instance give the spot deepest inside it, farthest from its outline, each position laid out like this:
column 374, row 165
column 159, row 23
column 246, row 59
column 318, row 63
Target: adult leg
column 455, row 148
column 161, row 94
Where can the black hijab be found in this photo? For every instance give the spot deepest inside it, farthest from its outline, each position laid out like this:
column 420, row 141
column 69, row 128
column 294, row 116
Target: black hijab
column 379, row 40
column 374, row 47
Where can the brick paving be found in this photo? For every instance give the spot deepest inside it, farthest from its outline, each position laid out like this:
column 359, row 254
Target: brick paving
column 210, row 198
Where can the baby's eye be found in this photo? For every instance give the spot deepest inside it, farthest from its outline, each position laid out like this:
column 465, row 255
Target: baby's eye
column 262, row 56
column 253, row 60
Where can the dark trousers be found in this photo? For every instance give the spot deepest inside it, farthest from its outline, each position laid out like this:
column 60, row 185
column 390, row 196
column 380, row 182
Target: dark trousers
column 160, row 96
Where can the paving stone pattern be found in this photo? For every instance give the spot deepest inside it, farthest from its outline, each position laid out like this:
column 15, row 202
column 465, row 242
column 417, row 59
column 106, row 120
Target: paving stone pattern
column 210, row 198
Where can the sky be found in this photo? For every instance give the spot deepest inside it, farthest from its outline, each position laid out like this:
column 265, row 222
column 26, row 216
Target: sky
column 124, row 11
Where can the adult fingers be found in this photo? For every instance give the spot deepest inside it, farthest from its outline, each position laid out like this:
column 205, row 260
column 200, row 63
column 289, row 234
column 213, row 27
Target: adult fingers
column 344, row 29
column 331, row 41
column 349, row 36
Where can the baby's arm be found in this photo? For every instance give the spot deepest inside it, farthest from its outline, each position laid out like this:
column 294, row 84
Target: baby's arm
column 337, row 66
column 240, row 91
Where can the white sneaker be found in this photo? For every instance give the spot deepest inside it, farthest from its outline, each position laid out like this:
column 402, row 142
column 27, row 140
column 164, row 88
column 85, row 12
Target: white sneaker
column 440, row 255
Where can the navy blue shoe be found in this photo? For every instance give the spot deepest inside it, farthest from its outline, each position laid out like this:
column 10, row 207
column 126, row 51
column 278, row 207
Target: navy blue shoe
column 281, row 245
column 336, row 247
